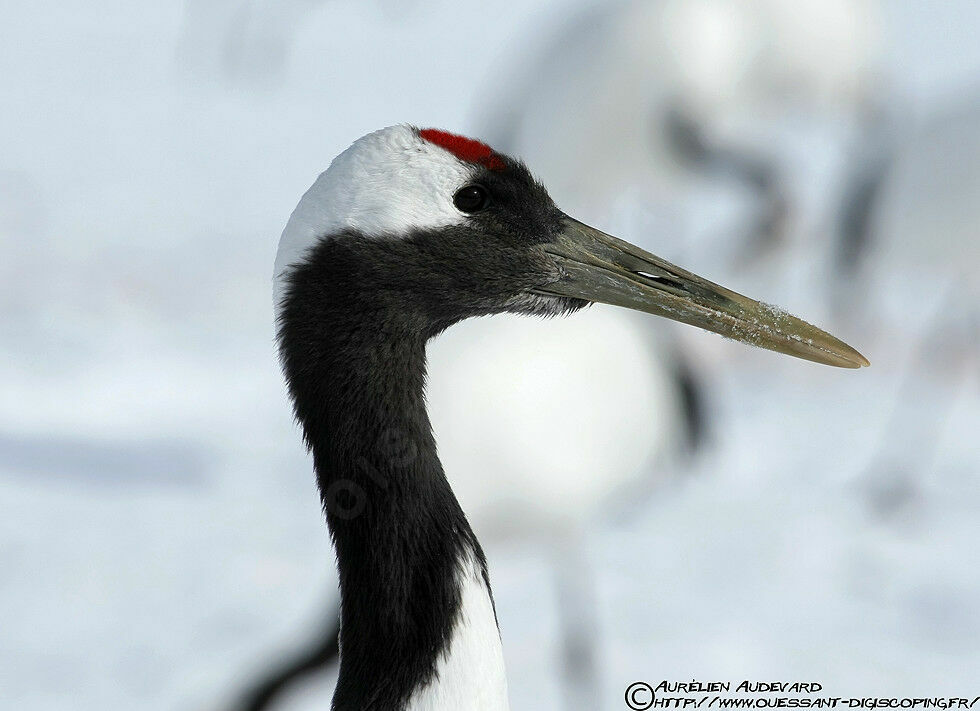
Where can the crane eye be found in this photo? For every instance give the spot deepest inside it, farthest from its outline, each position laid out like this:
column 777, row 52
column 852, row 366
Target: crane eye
column 471, row 198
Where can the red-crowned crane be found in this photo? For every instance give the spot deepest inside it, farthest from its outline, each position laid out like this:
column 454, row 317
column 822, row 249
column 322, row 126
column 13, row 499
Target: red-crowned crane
column 407, row 233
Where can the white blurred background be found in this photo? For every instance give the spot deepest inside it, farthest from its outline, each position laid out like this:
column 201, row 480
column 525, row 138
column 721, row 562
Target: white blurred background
column 161, row 543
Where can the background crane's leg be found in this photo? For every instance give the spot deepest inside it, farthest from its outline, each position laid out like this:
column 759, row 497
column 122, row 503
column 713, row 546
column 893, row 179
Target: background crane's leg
column 577, row 616
column 322, row 652
column 910, row 443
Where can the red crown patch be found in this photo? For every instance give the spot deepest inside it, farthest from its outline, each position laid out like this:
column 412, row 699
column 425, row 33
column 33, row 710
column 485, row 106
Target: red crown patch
column 464, row 148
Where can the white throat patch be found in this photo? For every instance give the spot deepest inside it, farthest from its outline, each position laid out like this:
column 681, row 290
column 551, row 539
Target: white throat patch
column 387, row 183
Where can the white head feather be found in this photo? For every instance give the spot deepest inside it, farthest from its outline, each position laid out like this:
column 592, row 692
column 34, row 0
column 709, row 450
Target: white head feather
column 386, row 183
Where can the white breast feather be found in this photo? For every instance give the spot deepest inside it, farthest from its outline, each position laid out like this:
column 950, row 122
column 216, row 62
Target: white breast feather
column 470, row 673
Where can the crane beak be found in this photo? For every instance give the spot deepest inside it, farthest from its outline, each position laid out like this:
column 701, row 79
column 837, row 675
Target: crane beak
column 599, row 267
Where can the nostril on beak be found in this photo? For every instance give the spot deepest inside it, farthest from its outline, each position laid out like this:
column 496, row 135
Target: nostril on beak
column 662, row 280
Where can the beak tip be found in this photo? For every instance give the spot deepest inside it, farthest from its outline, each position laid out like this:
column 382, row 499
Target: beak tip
column 858, row 361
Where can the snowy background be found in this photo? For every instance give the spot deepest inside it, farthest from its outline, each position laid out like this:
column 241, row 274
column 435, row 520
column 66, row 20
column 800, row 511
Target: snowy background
column 160, row 535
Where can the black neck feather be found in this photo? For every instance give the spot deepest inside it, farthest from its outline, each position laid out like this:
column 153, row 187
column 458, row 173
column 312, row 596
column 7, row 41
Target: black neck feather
column 353, row 350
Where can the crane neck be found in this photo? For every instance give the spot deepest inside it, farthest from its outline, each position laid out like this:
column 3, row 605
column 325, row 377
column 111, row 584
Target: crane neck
column 418, row 626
